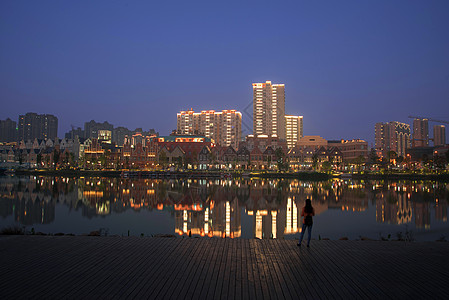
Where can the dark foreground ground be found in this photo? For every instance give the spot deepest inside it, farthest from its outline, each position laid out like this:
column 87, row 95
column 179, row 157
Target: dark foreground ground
column 129, row 267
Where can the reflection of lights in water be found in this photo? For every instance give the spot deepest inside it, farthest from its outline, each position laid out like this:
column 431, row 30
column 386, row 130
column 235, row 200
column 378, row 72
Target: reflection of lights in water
column 295, row 217
column 289, row 214
column 273, row 223
column 258, row 225
column 228, row 219
column 206, row 221
column 184, row 227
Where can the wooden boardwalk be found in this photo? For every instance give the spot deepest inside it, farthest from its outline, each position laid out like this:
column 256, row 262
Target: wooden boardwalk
column 45, row 267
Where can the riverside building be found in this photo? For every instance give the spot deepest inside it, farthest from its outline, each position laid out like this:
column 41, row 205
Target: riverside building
column 392, row 136
column 33, row 126
column 439, row 135
column 269, row 109
column 293, row 130
column 224, row 127
column 420, row 133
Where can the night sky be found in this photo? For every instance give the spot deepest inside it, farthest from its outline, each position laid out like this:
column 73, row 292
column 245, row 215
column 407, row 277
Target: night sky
column 346, row 64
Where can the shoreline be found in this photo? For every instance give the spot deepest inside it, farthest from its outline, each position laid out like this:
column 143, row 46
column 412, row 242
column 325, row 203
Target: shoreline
column 197, row 174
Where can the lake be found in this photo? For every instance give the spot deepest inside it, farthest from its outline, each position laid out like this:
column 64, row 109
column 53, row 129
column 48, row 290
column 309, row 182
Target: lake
column 253, row 208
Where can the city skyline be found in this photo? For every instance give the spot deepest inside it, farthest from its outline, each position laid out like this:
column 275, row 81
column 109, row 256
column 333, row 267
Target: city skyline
column 138, row 64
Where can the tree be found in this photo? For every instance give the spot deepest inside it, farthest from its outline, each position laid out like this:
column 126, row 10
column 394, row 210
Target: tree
column 280, row 158
column 163, row 159
column 72, row 159
column 326, row 165
column 391, row 156
column 103, row 160
column 56, row 156
column 66, row 159
column 39, row 159
column 315, row 161
column 358, row 161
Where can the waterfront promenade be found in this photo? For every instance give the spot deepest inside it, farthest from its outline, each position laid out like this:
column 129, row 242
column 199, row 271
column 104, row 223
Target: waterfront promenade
column 49, row 267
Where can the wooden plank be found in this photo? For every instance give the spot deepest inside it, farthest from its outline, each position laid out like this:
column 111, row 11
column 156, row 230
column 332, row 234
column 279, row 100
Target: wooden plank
column 163, row 256
column 176, row 262
column 339, row 277
column 85, row 261
column 286, row 273
column 209, row 291
column 204, row 282
column 260, row 279
column 199, row 280
column 223, row 277
column 53, row 264
column 142, row 260
column 249, row 271
column 97, row 267
column 239, row 278
column 299, row 270
column 154, row 252
column 184, row 279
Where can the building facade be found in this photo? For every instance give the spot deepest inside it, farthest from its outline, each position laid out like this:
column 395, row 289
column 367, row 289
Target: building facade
column 8, row 131
column 91, row 128
column 351, row 149
column 420, row 133
column 439, row 135
column 293, row 130
column 312, row 141
column 32, row 126
column 224, row 127
column 392, row 136
column 269, row 109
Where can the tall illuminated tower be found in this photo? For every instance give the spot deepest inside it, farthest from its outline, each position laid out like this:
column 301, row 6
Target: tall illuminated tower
column 225, row 126
column 293, row 130
column 269, row 109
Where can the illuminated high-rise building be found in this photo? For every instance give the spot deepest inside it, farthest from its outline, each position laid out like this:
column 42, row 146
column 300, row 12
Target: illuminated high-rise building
column 224, row 127
column 420, row 133
column 293, row 130
column 439, row 135
column 269, row 109
column 392, row 136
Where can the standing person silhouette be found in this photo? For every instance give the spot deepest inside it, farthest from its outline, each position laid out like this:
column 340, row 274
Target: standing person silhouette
column 307, row 213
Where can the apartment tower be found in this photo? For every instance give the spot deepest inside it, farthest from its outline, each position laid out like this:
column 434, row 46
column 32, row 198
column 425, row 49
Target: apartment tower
column 439, row 135
column 8, row 130
column 420, row 133
column 293, row 130
column 224, row 127
column 32, row 126
column 392, row 136
column 269, row 109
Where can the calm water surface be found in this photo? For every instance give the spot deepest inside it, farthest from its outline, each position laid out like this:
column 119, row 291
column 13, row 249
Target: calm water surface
column 233, row 208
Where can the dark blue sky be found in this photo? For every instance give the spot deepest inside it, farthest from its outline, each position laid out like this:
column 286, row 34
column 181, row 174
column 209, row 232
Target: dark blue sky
column 346, row 64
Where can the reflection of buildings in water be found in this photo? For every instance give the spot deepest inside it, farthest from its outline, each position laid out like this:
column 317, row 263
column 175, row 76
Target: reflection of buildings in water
column 397, row 212
column 95, row 199
column 422, row 214
column 211, row 207
column 441, row 210
column 291, row 225
column 265, row 207
column 26, row 201
column 214, row 219
column 352, row 199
